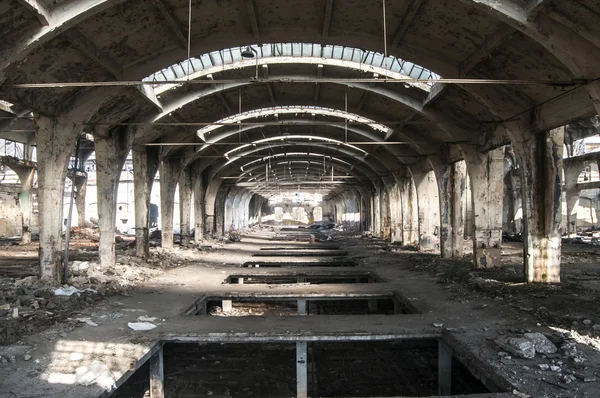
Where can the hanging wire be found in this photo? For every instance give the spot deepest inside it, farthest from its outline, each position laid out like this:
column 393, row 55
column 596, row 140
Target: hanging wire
column 189, row 46
column 346, row 120
column 240, row 111
column 384, row 32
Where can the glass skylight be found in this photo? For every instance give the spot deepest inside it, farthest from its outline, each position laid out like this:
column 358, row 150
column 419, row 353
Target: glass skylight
column 335, row 55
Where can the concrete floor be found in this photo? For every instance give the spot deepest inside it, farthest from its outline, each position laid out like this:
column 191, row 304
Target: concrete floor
column 463, row 314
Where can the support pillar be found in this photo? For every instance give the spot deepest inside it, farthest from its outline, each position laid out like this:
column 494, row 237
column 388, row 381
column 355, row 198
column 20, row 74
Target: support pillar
column 185, row 203
column 410, row 215
column 540, row 157
column 486, row 172
column 199, row 192
column 26, row 175
column 452, row 187
column 145, row 165
column 56, row 141
column 428, row 204
column 572, row 195
column 301, row 370
column 157, row 377
column 169, row 175
column 81, row 188
column 111, row 147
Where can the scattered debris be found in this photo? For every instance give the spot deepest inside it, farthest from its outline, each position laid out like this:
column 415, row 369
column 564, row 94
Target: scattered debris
column 141, row 326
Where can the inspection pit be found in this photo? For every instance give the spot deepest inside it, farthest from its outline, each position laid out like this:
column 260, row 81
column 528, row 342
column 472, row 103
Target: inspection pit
column 353, row 366
column 286, row 264
column 312, row 279
column 284, row 304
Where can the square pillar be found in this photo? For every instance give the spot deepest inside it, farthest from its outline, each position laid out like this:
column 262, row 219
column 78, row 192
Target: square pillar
column 145, row 165
column 112, row 148
column 540, row 157
column 198, row 188
column 185, row 204
column 157, row 376
column 56, row 140
column 170, row 170
column 486, row 172
column 428, row 205
column 451, row 180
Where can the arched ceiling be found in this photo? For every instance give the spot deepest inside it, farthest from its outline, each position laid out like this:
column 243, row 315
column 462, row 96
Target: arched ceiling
column 329, row 55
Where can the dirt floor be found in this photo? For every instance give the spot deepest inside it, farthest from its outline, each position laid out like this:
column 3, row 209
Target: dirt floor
column 51, row 338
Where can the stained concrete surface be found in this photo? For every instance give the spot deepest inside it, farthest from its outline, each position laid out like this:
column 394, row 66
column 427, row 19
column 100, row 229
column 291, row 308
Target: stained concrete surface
column 457, row 305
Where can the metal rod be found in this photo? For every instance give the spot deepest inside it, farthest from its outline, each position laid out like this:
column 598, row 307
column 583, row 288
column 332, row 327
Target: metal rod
column 514, row 82
column 285, row 140
column 65, row 277
column 284, row 123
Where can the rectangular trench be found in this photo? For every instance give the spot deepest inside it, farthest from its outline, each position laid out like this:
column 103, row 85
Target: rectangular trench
column 321, row 368
column 287, row 264
column 279, row 305
column 312, row 279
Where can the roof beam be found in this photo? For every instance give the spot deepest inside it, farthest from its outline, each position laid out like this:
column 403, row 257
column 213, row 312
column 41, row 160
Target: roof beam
column 489, row 45
column 411, row 12
column 265, row 73
column 174, row 25
column 533, row 8
column 149, row 96
column 327, row 18
column 361, row 103
column 42, row 14
column 90, row 50
column 253, row 20
column 220, row 95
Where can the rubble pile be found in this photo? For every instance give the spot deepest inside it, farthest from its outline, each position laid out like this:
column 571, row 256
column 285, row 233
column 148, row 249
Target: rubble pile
column 31, row 303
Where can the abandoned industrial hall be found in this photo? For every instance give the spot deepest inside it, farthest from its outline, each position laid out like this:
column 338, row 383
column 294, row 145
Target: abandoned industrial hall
column 299, row 198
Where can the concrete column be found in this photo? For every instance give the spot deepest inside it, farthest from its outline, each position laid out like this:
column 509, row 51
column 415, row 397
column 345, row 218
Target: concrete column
column 572, row 195
column 56, row 141
column 486, row 172
column 185, row 205
column 540, row 157
column 428, row 202
column 386, row 224
column 410, row 215
column 111, row 147
column 26, row 175
column 451, row 183
column 219, row 209
column 199, row 192
column 170, row 169
column 81, row 187
column 377, row 213
column 395, row 214
column 145, row 165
